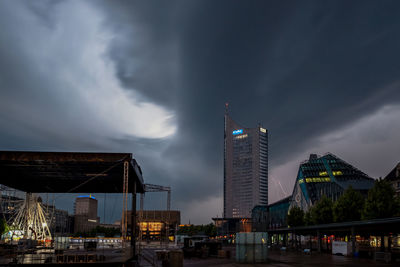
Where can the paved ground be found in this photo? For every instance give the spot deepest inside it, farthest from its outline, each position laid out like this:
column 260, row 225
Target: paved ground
column 292, row 259
column 284, row 259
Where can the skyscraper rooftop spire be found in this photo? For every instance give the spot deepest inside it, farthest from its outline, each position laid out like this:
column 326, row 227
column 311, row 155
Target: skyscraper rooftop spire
column 226, row 108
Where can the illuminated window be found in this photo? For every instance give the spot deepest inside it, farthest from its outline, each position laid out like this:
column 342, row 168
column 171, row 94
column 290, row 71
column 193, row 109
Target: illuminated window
column 263, row 130
column 323, row 174
column 335, row 173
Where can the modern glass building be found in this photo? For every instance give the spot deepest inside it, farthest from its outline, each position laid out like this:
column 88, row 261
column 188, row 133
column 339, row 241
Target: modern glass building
column 326, row 175
column 272, row 216
column 245, row 168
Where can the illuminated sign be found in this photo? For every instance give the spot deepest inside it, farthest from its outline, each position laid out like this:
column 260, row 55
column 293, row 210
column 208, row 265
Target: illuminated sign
column 241, row 136
column 263, row 130
column 235, row 132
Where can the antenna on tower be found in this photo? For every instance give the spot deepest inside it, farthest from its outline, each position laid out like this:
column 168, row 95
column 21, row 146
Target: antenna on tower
column 226, row 107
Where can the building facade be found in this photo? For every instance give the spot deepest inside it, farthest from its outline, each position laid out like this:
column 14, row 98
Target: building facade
column 155, row 225
column 85, row 213
column 273, row 216
column 245, row 168
column 326, row 175
column 394, row 179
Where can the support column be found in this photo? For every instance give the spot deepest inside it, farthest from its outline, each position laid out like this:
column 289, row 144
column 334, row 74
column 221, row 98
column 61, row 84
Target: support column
column 353, row 241
column 319, row 241
column 285, row 240
column 133, row 220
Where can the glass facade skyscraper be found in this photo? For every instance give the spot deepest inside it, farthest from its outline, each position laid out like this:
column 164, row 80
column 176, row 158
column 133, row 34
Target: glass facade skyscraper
column 245, row 169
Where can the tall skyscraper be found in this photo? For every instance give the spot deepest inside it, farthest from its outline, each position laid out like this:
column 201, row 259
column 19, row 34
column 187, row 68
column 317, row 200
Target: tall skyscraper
column 245, row 168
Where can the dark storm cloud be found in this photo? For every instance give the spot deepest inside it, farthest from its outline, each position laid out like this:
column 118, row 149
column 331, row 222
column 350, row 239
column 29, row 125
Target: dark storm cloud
column 303, row 69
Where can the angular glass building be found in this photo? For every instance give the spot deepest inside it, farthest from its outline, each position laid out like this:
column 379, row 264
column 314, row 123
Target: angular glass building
column 245, row 169
column 326, row 175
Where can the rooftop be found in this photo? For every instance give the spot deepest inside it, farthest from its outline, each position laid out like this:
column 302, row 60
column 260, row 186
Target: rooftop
column 68, row 172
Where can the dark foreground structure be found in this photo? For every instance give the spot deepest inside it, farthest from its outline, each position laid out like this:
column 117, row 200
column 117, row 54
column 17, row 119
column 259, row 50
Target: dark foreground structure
column 370, row 239
column 73, row 172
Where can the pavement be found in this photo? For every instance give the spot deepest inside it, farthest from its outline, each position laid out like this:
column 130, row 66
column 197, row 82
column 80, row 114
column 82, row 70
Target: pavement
column 285, row 259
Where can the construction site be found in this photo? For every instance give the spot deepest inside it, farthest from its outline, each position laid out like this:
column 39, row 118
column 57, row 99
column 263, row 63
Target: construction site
column 36, row 232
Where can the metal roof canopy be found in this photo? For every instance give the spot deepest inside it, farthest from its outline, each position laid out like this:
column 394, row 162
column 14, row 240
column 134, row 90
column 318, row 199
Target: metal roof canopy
column 68, row 172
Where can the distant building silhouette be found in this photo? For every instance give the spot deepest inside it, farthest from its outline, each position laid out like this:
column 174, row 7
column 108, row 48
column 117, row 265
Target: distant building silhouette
column 245, row 168
column 85, row 214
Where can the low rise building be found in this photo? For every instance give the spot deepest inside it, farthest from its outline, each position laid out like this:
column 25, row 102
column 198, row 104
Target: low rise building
column 156, row 224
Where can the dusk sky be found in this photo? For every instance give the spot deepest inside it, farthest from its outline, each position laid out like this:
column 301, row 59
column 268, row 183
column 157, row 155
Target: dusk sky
column 152, row 78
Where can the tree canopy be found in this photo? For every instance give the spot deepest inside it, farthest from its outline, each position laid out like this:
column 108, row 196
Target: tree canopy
column 208, row 229
column 307, row 218
column 322, row 211
column 381, row 202
column 295, row 217
column 3, row 226
column 349, row 206
column 107, row 232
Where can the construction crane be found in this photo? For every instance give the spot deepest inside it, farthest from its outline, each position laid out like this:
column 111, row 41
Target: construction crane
column 156, row 188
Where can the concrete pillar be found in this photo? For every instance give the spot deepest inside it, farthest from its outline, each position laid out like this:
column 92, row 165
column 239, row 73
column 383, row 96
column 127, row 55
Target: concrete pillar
column 353, row 241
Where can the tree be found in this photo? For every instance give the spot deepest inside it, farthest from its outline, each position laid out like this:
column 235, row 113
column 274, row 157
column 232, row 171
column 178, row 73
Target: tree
column 307, row 218
column 107, row 232
column 295, row 217
column 3, row 227
column 349, row 206
column 380, row 202
column 322, row 211
column 208, row 229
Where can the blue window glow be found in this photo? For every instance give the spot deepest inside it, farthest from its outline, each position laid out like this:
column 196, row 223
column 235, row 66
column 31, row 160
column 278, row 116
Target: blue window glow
column 235, row 132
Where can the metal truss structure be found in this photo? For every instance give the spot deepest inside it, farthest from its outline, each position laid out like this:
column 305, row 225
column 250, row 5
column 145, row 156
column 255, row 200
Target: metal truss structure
column 29, row 220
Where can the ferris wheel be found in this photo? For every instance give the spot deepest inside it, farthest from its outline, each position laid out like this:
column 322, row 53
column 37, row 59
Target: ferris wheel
column 28, row 219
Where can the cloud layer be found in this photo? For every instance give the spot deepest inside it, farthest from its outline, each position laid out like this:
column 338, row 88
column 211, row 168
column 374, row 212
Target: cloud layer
column 152, row 78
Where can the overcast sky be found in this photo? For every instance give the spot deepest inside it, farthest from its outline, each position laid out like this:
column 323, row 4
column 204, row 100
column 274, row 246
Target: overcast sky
column 152, row 78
